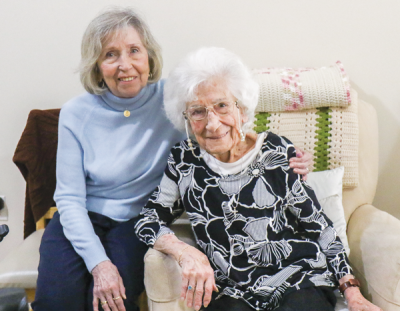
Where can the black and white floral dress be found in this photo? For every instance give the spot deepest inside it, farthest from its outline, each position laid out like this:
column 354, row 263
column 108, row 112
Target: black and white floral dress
column 262, row 229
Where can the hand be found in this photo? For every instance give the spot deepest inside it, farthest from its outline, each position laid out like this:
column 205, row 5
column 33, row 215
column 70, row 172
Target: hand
column 301, row 162
column 356, row 301
column 108, row 286
column 196, row 272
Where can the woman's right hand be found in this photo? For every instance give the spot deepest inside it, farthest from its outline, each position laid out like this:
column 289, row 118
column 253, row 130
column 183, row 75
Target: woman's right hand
column 198, row 274
column 108, row 287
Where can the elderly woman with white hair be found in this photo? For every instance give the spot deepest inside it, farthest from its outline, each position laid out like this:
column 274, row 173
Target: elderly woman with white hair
column 264, row 242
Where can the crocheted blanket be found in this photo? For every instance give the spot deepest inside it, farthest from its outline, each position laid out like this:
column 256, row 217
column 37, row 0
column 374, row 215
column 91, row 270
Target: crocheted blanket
column 286, row 89
column 330, row 134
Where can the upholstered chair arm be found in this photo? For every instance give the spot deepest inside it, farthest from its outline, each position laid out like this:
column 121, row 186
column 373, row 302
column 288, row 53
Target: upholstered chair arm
column 374, row 239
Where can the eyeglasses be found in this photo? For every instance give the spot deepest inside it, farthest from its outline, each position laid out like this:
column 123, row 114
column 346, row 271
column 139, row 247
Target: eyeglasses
column 197, row 113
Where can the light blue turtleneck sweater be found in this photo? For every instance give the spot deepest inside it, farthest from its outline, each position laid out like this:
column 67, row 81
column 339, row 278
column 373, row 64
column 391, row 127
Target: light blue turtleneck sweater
column 108, row 163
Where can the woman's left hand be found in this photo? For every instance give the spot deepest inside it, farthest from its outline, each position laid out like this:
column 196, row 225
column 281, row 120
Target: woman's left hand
column 108, row 287
column 357, row 302
column 301, row 162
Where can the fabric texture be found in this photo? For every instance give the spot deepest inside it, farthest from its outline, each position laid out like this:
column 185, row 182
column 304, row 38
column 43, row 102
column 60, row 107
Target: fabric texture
column 305, row 299
column 327, row 186
column 108, row 163
column 330, row 134
column 35, row 156
column 262, row 229
column 288, row 89
column 64, row 283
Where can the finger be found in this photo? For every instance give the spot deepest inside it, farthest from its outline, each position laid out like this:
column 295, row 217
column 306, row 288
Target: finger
column 111, row 304
column 215, row 288
column 95, row 303
column 190, row 292
column 117, row 300
column 122, row 288
column 104, row 303
column 198, row 294
column 185, row 283
column 208, row 289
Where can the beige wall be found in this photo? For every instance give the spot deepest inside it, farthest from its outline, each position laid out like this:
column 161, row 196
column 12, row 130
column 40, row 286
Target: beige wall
column 40, row 42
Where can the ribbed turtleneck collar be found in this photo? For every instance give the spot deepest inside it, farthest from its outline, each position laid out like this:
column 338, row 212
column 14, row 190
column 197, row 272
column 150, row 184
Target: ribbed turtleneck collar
column 122, row 104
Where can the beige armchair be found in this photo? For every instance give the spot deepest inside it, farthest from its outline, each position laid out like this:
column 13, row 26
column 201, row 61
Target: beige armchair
column 374, row 235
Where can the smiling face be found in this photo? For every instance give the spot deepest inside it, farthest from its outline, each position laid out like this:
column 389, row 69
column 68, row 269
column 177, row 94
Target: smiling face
column 218, row 135
column 124, row 63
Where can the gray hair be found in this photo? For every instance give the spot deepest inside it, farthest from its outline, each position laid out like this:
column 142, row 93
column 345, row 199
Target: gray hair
column 101, row 29
column 205, row 65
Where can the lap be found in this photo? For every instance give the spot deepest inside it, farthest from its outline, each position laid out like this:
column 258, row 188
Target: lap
column 307, row 299
column 64, row 281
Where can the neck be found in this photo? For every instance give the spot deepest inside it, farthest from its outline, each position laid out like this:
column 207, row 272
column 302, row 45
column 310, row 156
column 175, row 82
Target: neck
column 239, row 150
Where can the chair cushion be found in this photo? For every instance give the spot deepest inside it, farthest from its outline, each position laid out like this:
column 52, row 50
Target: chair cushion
column 20, row 267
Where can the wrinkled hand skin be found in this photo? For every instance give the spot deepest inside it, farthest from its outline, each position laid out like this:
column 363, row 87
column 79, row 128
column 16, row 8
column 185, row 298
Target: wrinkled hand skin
column 301, row 162
column 108, row 285
column 196, row 270
column 356, row 301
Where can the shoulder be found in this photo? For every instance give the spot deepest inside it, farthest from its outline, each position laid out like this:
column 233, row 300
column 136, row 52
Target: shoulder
column 276, row 142
column 78, row 108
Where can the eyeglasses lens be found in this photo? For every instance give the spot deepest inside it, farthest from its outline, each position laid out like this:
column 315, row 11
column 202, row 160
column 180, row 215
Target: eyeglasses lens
column 200, row 112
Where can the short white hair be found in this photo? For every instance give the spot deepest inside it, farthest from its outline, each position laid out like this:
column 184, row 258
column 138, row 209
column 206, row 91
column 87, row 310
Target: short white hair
column 208, row 64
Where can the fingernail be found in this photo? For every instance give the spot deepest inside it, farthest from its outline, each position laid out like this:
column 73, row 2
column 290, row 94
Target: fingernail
column 217, row 290
column 124, row 296
column 182, row 298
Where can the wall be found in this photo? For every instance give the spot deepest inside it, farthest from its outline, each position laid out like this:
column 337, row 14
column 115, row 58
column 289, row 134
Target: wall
column 40, row 48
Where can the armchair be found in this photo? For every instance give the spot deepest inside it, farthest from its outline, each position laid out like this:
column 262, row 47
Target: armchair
column 374, row 235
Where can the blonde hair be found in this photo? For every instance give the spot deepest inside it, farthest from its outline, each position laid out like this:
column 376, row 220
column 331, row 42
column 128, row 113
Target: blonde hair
column 99, row 31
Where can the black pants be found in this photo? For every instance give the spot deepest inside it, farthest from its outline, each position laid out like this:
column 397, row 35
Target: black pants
column 307, row 299
column 65, row 284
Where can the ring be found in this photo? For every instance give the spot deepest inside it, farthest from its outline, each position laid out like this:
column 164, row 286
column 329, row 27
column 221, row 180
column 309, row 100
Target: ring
column 117, row 298
column 103, row 302
column 307, row 169
column 190, row 287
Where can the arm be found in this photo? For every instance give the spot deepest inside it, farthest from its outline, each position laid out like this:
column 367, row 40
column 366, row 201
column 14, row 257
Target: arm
column 162, row 209
column 314, row 221
column 70, row 197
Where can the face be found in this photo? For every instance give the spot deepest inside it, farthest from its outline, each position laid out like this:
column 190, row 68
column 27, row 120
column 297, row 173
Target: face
column 216, row 134
column 124, row 64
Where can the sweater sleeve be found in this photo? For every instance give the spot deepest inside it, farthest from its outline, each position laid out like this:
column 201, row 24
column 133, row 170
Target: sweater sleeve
column 70, row 195
column 303, row 203
column 163, row 207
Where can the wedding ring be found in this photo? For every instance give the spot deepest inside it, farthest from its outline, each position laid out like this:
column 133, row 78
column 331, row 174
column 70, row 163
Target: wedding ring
column 104, row 302
column 117, row 298
column 190, row 287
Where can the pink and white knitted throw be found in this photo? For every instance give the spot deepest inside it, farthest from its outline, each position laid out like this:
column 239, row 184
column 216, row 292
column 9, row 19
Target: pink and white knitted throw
column 288, row 89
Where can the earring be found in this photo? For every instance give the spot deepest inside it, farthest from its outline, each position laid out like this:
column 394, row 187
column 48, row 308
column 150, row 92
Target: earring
column 150, row 75
column 242, row 136
column 102, row 84
column 189, row 140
